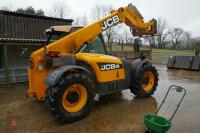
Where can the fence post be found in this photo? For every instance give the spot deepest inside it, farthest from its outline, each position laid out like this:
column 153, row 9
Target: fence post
column 122, row 45
column 150, row 54
column 5, row 55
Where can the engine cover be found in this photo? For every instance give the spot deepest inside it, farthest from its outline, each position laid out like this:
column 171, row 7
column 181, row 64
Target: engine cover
column 107, row 68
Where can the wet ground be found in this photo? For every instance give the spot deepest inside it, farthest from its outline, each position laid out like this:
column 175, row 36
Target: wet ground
column 119, row 113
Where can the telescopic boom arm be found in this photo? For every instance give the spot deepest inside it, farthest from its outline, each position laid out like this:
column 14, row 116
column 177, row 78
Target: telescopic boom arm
column 128, row 15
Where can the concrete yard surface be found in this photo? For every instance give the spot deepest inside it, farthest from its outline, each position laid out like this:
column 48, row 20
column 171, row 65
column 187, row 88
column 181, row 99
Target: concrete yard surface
column 119, row 113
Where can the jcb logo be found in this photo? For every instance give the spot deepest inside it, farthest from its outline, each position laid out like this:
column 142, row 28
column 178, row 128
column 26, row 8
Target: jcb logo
column 110, row 22
column 105, row 66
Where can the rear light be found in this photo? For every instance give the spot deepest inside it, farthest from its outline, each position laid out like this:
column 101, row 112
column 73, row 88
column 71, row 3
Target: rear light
column 53, row 54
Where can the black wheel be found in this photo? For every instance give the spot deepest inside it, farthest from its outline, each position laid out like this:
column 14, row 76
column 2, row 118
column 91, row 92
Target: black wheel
column 146, row 82
column 71, row 99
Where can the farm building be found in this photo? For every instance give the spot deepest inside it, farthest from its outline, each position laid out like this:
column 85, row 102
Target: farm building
column 20, row 35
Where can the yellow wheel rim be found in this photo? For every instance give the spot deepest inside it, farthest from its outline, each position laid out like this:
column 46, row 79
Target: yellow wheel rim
column 74, row 98
column 148, row 80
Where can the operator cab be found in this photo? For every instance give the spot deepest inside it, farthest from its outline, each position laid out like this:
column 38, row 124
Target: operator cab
column 97, row 46
column 57, row 32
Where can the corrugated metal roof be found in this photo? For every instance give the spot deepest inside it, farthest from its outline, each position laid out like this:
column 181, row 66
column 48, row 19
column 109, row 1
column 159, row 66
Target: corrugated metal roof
column 24, row 26
column 15, row 40
column 34, row 16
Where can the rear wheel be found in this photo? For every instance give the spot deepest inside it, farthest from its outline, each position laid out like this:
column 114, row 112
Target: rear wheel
column 72, row 98
column 146, row 83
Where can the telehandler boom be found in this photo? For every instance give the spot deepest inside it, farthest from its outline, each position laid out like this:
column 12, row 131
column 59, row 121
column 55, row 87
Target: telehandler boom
column 67, row 73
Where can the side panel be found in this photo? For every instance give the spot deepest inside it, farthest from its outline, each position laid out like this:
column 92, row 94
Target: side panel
column 37, row 85
column 107, row 68
column 113, row 86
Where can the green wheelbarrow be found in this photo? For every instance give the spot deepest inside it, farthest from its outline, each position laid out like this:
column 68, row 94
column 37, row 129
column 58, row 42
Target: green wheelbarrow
column 159, row 124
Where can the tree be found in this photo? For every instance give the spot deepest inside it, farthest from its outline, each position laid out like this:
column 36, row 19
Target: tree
column 80, row 21
column 176, row 36
column 195, row 43
column 109, row 33
column 126, row 36
column 31, row 11
column 124, row 33
column 152, row 41
column 187, row 36
column 100, row 11
column 162, row 31
column 159, row 41
column 60, row 10
column 20, row 10
column 39, row 12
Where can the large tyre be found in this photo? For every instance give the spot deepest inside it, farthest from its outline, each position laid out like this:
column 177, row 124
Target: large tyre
column 71, row 99
column 146, row 82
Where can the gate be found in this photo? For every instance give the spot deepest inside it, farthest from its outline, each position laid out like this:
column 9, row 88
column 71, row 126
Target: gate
column 16, row 75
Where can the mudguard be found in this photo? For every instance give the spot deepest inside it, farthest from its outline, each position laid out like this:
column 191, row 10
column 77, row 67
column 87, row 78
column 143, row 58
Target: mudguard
column 53, row 77
column 137, row 65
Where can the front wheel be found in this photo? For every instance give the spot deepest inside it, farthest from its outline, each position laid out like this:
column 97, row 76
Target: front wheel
column 71, row 99
column 146, row 82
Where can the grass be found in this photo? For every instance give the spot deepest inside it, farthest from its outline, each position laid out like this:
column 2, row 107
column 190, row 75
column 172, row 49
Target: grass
column 158, row 55
column 161, row 55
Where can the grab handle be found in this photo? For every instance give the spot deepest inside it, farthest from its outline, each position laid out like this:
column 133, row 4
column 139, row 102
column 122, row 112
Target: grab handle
column 178, row 89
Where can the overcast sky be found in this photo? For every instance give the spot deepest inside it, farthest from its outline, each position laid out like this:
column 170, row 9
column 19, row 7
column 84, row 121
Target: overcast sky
column 179, row 13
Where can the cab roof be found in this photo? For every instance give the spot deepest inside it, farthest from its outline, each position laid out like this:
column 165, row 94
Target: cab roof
column 62, row 29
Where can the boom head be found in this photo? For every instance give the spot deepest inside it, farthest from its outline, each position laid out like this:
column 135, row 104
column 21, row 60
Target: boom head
column 134, row 19
column 151, row 29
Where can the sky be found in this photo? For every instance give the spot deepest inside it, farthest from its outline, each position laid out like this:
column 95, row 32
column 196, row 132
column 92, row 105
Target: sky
column 179, row 13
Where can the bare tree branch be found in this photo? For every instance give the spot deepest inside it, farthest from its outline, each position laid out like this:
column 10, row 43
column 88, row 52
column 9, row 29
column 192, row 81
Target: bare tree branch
column 162, row 32
column 60, row 10
column 100, row 11
column 81, row 21
column 176, row 36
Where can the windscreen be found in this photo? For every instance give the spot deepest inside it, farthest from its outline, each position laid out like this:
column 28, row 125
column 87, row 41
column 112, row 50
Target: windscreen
column 97, row 46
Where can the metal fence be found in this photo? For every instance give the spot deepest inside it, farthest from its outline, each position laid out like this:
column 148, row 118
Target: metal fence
column 16, row 75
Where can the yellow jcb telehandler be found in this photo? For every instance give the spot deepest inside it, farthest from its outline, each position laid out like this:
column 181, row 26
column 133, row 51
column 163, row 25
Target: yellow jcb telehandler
column 67, row 73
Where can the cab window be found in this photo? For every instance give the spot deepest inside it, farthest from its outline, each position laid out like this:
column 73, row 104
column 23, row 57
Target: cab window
column 97, row 46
